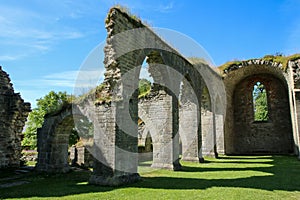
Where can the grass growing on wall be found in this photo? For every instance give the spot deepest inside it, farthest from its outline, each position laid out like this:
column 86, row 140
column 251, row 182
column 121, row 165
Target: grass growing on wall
column 273, row 58
column 260, row 177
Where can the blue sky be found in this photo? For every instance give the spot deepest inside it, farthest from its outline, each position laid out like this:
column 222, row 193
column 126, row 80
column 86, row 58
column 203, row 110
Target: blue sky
column 44, row 43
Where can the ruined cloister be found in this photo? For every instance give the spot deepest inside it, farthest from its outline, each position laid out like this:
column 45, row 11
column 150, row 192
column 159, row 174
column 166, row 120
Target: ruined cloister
column 192, row 110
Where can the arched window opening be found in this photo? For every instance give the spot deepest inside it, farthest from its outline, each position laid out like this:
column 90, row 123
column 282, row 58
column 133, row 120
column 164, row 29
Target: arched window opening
column 145, row 80
column 260, row 103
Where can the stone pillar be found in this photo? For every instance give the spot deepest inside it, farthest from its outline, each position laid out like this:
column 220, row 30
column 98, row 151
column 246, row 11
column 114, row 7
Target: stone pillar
column 115, row 145
column 189, row 122
column 219, row 134
column 73, row 155
column 165, row 137
column 84, row 157
column 208, row 131
column 297, row 102
column 160, row 113
column 294, row 67
column 188, row 129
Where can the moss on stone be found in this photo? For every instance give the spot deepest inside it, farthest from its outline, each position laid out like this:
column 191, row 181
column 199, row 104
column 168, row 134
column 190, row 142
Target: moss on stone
column 98, row 94
column 145, row 94
column 272, row 58
column 281, row 59
column 229, row 64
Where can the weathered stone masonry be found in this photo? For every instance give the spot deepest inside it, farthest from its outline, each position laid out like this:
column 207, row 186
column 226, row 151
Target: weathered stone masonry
column 116, row 115
column 128, row 43
column 13, row 114
column 211, row 111
column 280, row 133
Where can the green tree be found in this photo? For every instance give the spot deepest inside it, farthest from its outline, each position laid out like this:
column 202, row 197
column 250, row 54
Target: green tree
column 49, row 103
column 260, row 103
column 144, row 87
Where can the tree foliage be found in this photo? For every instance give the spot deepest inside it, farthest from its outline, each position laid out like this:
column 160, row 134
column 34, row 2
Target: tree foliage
column 49, row 103
column 260, row 103
column 144, row 87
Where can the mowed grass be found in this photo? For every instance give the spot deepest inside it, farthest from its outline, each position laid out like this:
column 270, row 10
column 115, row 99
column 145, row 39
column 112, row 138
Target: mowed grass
column 238, row 177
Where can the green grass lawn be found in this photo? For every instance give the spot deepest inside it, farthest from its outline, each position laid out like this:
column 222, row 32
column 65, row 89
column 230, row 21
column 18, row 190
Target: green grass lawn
column 239, row 177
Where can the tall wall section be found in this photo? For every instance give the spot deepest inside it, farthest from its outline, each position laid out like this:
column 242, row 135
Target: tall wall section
column 13, row 114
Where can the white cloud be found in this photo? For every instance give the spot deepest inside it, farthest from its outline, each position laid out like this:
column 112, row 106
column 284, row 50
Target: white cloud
column 66, row 79
column 166, row 8
column 9, row 57
column 33, row 31
column 73, row 82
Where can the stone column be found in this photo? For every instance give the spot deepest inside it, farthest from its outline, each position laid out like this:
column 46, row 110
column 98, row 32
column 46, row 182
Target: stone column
column 297, row 108
column 160, row 113
column 188, row 130
column 164, row 148
column 219, row 134
column 189, row 123
column 115, row 145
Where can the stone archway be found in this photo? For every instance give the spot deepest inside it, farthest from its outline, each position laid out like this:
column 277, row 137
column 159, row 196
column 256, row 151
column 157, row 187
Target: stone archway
column 244, row 135
column 53, row 140
column 270, row 136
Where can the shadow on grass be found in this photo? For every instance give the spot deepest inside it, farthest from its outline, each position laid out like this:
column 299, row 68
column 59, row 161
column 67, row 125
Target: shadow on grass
column 282, row 173
column 269, row 183
column 43, row 185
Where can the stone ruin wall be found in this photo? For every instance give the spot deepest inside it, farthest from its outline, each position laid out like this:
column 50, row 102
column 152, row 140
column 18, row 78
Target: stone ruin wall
column 153, row 111
column 272, row 136
column 13, row 115
column 294, row 85
column 118, row 63
column 160, row 112
column 280, row 133
column 157, row 113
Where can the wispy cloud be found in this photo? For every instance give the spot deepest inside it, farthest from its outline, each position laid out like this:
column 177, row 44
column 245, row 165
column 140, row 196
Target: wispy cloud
column 67, row 79
column 9, row 57
column 166, row 7
column 32, row 31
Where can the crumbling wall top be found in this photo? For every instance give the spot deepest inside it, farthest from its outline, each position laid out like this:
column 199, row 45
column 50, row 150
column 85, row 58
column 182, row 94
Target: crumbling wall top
column 277, row 61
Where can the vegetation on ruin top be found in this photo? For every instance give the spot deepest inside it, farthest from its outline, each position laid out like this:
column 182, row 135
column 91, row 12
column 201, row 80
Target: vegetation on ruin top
column 126, row 11
column 278, row 58
column 97, row 94
column 229, row 64
column 100, row 95
column 281, row 59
